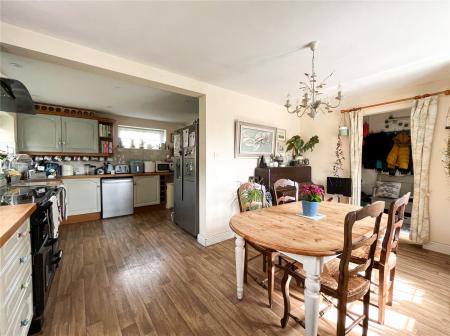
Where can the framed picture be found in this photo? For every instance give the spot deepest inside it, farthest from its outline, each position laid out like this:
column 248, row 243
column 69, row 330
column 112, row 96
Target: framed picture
column 281, row 134
column 253, row 140
column 281, row 147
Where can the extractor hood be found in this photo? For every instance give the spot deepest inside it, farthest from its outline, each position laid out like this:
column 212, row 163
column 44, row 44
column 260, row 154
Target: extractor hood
column 14, row 97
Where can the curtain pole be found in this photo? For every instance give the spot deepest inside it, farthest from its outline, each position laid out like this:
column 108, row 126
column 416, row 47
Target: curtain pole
column 445, row 92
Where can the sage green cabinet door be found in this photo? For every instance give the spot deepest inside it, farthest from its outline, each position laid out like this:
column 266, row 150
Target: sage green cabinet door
column 146, row 190
column 38, row 133
column 83, row 196
column 80, row 135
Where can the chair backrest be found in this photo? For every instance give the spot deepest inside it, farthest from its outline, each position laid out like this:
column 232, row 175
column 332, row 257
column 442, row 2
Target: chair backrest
column 395, row 222
column 375, row 211
column 247, row 200
column 282, row 183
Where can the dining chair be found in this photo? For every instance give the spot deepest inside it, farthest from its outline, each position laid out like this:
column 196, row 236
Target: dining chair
column 282, row 186
column 386, row 255
column 340, row 279
column 246, row 196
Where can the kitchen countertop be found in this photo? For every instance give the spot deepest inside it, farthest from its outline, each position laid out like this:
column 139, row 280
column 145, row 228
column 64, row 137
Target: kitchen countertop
column 114, row 175
column 12, row 217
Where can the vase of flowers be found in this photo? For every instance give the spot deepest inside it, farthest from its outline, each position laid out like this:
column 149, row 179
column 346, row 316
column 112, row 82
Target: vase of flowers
column 311, row 196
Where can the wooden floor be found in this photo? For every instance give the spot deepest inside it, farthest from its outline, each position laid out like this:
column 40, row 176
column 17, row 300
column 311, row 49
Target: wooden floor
column 142, row 275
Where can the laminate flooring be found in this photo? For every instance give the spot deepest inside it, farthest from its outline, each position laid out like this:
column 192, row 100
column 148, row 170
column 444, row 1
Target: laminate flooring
column 142, row 275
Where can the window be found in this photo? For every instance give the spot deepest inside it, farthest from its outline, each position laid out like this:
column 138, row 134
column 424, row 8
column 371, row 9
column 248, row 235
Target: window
column 139, row 137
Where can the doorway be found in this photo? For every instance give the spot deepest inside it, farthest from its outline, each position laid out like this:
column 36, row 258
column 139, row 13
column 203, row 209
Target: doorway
column 387, row 167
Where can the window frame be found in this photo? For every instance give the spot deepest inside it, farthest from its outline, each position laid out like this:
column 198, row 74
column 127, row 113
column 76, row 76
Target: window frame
column 162, row 132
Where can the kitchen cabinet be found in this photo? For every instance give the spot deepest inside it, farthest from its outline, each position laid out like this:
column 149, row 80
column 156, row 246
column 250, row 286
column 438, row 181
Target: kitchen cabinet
column 146, row 190
column 51, row 133
column 16, row 291
column 38, row 133
column 83, row 196
column 79, row 135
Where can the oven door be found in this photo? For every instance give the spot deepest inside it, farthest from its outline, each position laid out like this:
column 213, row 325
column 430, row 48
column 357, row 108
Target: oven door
column 43, row 271
column 40, row 227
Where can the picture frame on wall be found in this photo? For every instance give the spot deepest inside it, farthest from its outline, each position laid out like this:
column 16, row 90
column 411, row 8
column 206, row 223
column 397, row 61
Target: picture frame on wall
column 281, row 135
column 252, row 140
column 281, row 147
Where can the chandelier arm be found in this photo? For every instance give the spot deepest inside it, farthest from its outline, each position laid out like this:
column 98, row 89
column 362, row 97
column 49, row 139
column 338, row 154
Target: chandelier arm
column 326, row 78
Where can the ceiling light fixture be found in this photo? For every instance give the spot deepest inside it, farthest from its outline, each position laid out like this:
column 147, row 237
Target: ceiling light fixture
column 311, row 104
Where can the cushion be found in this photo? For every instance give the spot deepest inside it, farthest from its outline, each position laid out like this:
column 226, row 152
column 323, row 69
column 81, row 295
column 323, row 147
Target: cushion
column 388, row 189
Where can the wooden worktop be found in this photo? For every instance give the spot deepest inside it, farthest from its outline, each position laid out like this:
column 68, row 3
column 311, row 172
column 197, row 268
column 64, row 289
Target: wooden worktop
column 11, row 217
column 114, row 175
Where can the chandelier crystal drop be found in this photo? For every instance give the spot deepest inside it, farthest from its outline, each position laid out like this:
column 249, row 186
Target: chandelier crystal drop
column 311, row 103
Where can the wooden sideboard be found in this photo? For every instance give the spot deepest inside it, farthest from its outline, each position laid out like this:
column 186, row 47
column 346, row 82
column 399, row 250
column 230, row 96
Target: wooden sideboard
column 268, row 176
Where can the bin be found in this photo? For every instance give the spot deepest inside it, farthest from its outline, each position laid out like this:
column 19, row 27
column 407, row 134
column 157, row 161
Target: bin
column 169, row 195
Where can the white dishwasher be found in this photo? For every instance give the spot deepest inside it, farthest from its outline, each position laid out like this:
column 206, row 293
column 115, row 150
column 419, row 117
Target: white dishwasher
column 117, row 197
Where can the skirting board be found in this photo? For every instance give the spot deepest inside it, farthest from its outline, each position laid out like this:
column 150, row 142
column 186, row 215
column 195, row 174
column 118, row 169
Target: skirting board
column 437, row 247
column 214, row 239
column 82, row 218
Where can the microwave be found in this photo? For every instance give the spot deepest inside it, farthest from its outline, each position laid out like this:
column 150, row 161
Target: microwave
column 162, row 166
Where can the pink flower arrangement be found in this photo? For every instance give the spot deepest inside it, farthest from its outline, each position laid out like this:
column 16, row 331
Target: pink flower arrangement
column 311, row 193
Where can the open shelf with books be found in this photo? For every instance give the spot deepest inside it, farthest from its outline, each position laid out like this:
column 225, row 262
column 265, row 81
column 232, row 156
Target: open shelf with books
column 106, row 137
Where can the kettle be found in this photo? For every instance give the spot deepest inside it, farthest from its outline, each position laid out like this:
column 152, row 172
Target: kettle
column 108, row 168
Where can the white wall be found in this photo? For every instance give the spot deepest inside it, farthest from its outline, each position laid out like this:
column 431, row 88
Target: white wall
column 7, row 131
column 377, row 122
column 220, row 172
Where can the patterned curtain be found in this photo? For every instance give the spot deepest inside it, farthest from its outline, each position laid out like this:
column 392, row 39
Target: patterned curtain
column 356, row 133
column 423, row 119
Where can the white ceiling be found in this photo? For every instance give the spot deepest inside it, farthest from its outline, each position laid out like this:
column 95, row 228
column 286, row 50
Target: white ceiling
column 255, row 47
column 57, row 84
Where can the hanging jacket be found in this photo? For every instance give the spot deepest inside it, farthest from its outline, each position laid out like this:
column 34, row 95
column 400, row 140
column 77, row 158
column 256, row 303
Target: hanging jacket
column 399, row 154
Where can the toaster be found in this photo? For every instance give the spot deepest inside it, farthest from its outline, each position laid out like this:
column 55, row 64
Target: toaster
column 122, row 169
column 136, row 166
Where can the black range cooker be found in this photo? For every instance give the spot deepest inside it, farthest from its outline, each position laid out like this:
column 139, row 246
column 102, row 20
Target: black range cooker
column 45, row 250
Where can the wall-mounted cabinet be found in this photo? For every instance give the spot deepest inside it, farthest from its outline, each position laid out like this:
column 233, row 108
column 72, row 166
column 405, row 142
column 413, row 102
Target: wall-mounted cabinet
column 55, row 134
column 40, row 132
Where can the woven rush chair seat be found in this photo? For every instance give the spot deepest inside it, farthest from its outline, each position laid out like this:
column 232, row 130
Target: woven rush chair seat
column 357, row 285
column 362, row 253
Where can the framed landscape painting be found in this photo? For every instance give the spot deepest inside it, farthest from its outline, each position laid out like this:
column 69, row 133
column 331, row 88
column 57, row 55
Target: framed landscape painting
column 253, row 140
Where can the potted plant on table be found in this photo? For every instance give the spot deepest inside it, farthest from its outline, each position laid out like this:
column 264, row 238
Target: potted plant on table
column 311, row 196
column 298, row 146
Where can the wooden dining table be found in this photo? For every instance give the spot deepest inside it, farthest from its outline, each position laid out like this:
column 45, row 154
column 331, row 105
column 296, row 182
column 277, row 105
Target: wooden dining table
column 311, row 242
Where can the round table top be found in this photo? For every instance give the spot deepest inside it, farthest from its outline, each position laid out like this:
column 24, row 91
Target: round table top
column 280, row 228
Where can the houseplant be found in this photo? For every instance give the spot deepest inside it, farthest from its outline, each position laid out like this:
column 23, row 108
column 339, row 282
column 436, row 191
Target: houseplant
column 253, row 199
column 298, row 146
column 311, row 196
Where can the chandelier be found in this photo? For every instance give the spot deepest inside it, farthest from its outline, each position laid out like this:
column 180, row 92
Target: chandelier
column 311, row 104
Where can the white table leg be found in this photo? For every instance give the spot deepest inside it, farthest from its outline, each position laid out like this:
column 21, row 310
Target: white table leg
column 240, row 243
column 313, row 267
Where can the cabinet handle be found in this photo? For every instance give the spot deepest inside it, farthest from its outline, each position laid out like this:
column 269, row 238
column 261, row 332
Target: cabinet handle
column 24, row 323
column 25, row 285
column 23, row 259
column 22, row 234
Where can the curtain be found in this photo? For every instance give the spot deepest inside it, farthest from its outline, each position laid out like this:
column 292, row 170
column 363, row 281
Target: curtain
column 356, row 133
column 423, row 119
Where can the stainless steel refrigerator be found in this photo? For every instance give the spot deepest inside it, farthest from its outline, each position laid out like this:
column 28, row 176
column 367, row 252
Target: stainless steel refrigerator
column 186, row 178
